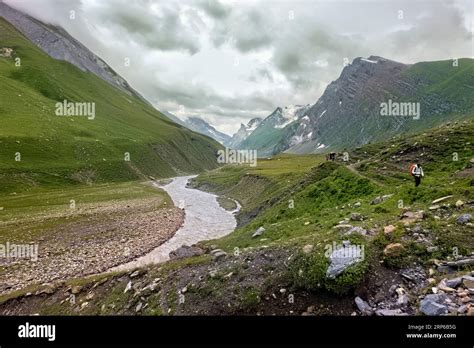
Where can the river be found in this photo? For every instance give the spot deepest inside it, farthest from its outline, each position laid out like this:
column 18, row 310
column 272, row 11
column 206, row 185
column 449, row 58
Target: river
column 205, row 220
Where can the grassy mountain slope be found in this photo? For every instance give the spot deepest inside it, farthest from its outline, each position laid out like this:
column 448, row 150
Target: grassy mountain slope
column 58, row 150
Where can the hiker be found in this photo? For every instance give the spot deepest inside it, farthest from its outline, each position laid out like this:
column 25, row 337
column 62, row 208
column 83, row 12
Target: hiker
column 331, row 156
column 417, row 172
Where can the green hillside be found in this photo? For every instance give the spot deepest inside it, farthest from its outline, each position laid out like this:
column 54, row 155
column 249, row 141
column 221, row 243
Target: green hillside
column 59, row 150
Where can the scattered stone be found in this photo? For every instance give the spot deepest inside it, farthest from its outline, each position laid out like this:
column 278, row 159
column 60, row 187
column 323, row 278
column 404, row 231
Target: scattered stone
column 356, row 217
column 135, row 274
column 464, row 218
column 99, row 283
column 433, row 305
column 432, row 249
column 90, row 296
column 343, row 257
column 343, row 227
column 76, row 289
column 258, row 232
column 356, row 229
column 453, row 283
column 306, row 223
column 185, row 252
column 363, row 306
column 441, row 199
column 434, row 207
column 442, row 286
column 459, row 203
column 139, row 307
column 468, row 282
column 460, row 263
column 402, row 299
column 308, row 248
column 377, row 200
column 128, row 287
column 48, row 289
column 393, row 249
column 389, row 229
column 380, row 199
column 357, row 205
column 219, row 255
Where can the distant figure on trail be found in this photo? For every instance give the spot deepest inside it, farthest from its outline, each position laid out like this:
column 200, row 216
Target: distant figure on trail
column 417, row 172
column 331, row 156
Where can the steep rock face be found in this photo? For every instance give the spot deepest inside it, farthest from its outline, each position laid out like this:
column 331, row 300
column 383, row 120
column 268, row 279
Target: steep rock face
column 58, row 44
column 244, row 132
column 348, row 114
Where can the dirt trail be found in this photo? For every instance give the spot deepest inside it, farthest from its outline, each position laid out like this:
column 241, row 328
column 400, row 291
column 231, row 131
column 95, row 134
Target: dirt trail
column 353, row 169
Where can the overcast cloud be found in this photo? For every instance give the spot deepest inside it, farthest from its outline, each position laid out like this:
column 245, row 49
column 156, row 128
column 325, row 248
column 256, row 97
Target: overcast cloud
column 229, row 61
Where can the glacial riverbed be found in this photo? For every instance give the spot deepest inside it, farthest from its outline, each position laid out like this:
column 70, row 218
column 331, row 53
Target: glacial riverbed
column 205, row 220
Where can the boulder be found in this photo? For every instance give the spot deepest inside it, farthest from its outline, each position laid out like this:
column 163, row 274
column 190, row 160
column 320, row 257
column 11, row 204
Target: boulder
column 363, row 306
column 258, row 232
column 218, row 254
column 343, row 227
column 464, row 218
column 356, row 217
column 394, row 249
column 342, row 258
column 433, row 305
column 185, row 252
column 308, row 248
column 356, row 229
column 468, row 282
column 442, row 286
column 389, row 229
column 453, row 283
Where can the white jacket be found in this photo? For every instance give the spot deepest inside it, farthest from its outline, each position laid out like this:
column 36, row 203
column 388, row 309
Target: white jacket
column 417, row 171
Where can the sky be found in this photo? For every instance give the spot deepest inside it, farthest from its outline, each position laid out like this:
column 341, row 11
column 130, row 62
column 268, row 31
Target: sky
column 229, row 61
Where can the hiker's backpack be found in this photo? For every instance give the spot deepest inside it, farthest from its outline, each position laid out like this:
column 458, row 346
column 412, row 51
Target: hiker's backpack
column 411, row 169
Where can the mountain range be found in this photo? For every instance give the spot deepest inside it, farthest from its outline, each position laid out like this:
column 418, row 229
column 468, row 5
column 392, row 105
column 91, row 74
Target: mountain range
column 348, row 114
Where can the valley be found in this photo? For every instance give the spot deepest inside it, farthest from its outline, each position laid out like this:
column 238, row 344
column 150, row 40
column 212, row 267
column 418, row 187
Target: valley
column 292, row 208
column 134, row 211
